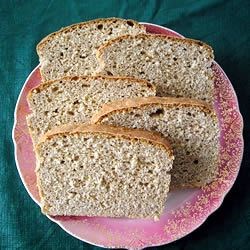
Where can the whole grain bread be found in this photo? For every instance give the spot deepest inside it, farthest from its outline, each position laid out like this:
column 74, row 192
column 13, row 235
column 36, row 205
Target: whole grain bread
column 76, row 99
column 98, row 170
column 180, row 67
column 71, row 50
column 191, row 126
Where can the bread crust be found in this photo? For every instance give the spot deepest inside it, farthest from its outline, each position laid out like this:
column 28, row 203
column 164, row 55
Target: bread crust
column 132, row 134
column 67, row 29
column 102, row 48
column 46, row 84
column 128, row 104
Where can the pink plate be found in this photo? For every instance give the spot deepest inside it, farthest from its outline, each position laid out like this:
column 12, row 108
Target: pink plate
column 185, row 211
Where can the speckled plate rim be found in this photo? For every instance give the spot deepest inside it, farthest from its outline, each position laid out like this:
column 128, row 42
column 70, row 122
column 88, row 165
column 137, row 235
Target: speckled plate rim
column 219, row 202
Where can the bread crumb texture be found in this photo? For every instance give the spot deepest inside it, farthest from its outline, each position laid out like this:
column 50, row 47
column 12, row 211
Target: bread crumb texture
column 71, row 50
column 192, row 131
column 76, row 99
column 97, row 174
column 179, row 67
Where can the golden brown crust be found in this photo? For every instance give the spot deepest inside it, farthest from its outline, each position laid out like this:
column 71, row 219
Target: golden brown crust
column 133, row 134
column 48, row 38
column 102, row 48
column 46, row 84
column 127, row 104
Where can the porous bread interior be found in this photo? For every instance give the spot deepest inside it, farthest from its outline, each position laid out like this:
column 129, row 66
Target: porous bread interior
column 75, row 100
column 75, row 178
column 72, row 52
column 179, row 67
column 192, row 133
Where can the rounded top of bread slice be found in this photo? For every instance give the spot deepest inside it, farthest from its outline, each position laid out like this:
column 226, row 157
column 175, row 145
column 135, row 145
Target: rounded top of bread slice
column 187, row 41
column 47, row 84
column 127, row 104
column 97, row 22
column 131, row 134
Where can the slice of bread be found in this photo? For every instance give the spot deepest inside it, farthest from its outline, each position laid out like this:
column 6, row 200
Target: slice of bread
column 71, row 50
column 98, row 170
column 191, row 127
column 180, row 67
column 76, row 99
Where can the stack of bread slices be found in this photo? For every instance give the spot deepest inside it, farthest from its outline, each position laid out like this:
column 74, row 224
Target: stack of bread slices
column 121, row 117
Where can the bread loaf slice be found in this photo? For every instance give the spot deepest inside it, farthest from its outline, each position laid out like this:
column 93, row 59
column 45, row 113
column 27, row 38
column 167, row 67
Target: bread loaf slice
column 191, row 127
column 76, row 99
column 180, row 67
column 71, row 50
column 99, row 170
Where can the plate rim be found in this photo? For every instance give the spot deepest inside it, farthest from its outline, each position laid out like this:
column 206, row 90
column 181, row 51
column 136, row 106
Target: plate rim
column 220, row 201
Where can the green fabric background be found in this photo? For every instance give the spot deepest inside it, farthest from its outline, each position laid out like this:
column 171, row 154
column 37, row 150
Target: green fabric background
column 223, row 24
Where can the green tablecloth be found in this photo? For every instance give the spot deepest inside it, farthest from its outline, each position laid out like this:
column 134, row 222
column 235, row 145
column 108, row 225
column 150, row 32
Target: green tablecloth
column 223, row 24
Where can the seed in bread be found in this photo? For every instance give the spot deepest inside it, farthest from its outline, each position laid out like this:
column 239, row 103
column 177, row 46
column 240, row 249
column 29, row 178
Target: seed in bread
column 98, row 170
column 71, row 50
column 180, row 67
column 191, row 126
column 76, row 99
